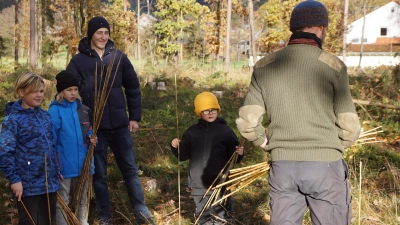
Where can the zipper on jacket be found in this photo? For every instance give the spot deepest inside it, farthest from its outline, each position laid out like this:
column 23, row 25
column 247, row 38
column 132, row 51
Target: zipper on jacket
column 48, row 161
column 205, row 146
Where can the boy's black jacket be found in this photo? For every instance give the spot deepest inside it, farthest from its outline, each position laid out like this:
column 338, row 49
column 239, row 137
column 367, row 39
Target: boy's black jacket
column 208, row 146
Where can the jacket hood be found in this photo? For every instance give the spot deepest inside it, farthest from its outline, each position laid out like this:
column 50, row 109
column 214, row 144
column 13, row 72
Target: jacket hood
column 9, row 107
column 84, row 47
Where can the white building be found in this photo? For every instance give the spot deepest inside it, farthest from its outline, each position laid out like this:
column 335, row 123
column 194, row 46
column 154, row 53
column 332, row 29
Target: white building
column 145, row 20
column 382, row 26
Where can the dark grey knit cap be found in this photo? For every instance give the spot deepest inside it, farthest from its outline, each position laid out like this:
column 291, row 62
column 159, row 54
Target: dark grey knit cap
column 96, row 23
column 309, row 13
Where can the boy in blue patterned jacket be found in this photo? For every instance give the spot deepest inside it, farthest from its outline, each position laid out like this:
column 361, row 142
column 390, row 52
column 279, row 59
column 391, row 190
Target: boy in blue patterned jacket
column 27, row 153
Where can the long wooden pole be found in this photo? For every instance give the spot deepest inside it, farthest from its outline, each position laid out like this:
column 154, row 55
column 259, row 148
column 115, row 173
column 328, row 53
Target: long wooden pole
column 179, row 152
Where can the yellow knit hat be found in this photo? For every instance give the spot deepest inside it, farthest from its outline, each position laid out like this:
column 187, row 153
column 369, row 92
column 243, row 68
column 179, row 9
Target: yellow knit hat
column 205, row 100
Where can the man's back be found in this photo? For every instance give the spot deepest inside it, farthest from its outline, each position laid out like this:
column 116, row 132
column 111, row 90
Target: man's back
column 303, row 88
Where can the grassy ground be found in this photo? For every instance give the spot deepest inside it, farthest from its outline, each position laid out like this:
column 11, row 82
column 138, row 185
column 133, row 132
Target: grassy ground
column 374, row 168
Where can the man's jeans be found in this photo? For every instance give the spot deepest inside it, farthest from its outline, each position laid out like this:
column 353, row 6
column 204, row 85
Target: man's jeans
column 121, row 144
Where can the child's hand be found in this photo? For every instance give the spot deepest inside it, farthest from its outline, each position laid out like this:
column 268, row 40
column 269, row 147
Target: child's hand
column 175, row 142
column 239, row 150
column 17, row 190
column 61, row 177
column 93, row 140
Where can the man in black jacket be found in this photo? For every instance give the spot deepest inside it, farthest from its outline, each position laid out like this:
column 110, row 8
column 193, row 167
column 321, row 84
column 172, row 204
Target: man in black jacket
column 97, row 50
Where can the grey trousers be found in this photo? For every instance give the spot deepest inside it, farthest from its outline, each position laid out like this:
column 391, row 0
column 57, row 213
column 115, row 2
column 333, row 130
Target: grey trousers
column 65, row 187
column 210, row 215
column 321, row 186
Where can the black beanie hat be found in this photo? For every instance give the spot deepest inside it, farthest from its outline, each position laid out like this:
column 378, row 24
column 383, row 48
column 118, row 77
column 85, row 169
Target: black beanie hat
column 308, row 14
column 96, row 23
column 66, row 79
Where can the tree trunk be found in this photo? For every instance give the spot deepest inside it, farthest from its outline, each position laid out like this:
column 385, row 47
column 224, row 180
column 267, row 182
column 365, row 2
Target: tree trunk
column 181, row 45
column 69, row 50
column 346, row 14
column 32, row 35
column 362, row 33
column 227, row 42
column 138, row 35
column 16, row 34
column 252, row 33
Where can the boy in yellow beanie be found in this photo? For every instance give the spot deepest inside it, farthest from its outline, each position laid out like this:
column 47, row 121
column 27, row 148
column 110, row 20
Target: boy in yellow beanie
column 208, row 145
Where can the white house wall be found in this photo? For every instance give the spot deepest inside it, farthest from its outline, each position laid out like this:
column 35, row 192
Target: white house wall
column 388, row 16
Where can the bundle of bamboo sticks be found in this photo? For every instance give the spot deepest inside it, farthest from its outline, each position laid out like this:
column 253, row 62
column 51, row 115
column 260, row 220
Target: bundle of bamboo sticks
column 103, row 85
column 367, row 137
column 231, row 181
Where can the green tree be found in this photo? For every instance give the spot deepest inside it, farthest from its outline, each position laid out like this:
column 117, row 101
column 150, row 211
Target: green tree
column 122, row 24
column 214, row 25
column 277, row 19
column 174, row 16
column 334, row 34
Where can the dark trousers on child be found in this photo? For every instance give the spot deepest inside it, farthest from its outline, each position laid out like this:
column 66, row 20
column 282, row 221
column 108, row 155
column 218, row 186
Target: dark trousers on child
column 35, row 210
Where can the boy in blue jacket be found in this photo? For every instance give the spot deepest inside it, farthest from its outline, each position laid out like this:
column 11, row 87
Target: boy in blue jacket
column 71, row 131
column 27, row 154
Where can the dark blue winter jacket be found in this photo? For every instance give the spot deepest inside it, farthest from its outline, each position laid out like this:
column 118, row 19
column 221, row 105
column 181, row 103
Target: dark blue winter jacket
column 26, row 146
column 87, row 62
column 71, row 130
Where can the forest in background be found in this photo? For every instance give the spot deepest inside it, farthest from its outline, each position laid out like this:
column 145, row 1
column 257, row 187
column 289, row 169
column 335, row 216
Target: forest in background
column 183, row 30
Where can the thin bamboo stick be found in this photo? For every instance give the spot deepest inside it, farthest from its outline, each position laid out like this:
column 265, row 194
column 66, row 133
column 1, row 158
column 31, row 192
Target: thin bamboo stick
column 244, row 179
column 179, row 152
column 244, row 171
column 360, row 195
column 238, row 178
column 70, row 217
column 27, row 212
column 47, row 186
column 218, row 176
column 238, row 189
column 247, row 167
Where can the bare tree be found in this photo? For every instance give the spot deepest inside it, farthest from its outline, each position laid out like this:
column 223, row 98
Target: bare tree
column 362, row 33
column 16, row 34
column 32, row 51
column 252, row 33
column 228, row 31
column 138, row 35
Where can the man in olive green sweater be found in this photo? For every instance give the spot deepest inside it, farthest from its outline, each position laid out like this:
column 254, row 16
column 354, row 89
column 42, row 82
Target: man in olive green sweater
column 305, row 93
